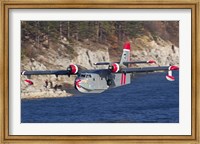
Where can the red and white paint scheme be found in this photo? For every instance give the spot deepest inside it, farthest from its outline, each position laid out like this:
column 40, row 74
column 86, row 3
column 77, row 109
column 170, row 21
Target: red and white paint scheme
column 169, row 77
column 127, row 46
column 151, row 61
column 79, row 87
column 115, row 68
column 74, row 69
column 173, row 67
column 123, row 79
column 77, row 83
column 28, row 82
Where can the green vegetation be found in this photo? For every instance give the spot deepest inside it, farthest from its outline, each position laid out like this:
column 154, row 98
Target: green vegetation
column 42, row 35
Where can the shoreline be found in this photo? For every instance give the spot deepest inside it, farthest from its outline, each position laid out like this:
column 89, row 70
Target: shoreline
column 41, row 97
column 44, row 94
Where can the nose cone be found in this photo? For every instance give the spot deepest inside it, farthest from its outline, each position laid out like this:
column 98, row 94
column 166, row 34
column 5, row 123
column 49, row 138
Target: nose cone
column 77, row 83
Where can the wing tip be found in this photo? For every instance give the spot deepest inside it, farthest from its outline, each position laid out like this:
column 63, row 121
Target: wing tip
column 173, row 67
column 23, row 72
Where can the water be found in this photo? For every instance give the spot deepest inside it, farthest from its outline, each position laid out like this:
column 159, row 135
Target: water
column 148, row 99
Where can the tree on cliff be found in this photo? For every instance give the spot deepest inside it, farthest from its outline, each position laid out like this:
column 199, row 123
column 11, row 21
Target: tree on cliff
column 46, row 33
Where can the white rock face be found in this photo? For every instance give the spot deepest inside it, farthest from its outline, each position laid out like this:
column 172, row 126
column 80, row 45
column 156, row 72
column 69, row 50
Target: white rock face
column 87, row 58
column 163, row 56
column 52, row 60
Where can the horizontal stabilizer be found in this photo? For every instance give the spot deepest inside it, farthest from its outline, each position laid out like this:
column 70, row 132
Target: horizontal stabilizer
column 134, row 62
column 139, row 62
column 104, row 63
column 127, row 62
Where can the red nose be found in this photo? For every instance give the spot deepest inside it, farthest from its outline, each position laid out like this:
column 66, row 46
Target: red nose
column 77, row 83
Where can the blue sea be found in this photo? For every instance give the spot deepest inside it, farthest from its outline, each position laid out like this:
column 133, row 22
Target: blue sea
column 150, row 98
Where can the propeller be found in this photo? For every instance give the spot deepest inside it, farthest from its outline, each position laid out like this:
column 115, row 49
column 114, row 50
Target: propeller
column 72, row 69
column 114, row 67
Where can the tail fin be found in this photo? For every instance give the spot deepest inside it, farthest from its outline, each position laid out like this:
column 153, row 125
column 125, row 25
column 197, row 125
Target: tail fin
column 126, row 53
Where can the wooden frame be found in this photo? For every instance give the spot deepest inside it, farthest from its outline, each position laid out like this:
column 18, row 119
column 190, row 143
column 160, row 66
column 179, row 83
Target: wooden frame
column 4, row 83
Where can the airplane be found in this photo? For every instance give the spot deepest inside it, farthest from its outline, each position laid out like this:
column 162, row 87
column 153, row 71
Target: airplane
column 98, row 80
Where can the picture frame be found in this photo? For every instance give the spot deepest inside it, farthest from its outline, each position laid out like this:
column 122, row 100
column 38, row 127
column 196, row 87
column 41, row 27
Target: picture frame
column 193, row 5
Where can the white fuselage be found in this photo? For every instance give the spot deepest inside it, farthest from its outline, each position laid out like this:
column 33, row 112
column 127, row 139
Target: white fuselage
column 97, row 83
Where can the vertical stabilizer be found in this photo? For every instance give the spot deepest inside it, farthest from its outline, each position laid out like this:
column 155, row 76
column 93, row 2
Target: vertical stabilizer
column 126, row 53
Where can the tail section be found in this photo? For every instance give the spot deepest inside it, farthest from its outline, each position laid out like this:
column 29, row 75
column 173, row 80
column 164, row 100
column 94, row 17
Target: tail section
column 126, row 53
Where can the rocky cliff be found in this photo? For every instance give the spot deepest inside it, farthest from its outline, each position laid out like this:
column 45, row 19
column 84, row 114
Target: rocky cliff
column 164, row 52
column 52, row 60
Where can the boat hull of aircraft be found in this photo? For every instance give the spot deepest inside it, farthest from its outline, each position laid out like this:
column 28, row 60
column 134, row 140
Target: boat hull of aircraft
column 97, row 83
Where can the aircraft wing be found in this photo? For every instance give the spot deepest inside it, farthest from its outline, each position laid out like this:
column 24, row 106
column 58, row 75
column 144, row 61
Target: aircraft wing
column 104, row 63
column 71, row 70
column 48, row 72
column 149, row 69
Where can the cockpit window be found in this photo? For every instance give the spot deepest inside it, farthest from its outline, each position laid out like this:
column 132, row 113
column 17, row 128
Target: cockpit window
column 82, row 75
column 88, row 76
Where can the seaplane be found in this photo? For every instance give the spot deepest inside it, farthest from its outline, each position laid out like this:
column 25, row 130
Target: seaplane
column 98, row 80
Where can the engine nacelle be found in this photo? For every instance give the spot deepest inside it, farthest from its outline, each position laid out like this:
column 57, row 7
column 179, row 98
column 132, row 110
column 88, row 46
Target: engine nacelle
column 114, row 67
column 73, row 69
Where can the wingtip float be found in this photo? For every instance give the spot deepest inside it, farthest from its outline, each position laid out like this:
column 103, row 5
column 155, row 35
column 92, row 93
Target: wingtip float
column 170, row 77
